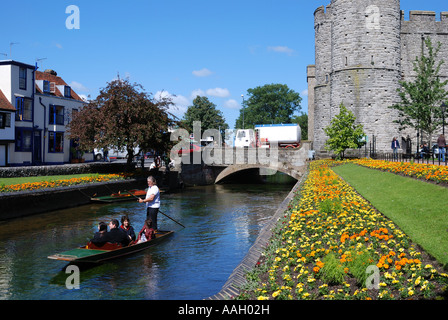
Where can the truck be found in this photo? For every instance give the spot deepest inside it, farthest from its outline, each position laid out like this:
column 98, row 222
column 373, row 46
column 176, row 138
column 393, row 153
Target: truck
column 245, row 138
column 284, row 135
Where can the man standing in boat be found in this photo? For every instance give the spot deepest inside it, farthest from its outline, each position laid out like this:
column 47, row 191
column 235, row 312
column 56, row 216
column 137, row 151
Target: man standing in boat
column 152, row 201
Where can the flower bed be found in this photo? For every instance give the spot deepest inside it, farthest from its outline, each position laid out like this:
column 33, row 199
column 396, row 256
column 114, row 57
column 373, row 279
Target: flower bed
column 331, row 244
column 62, row 183
column 424, row 171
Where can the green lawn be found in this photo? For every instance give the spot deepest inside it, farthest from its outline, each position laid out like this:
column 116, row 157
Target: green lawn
column 419, row 208
column 20, row 180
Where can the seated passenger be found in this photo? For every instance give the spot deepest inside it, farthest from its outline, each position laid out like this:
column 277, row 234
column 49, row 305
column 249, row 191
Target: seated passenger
column 116, row 234
column 126, row 226
column 147, row 232
column 99, row 238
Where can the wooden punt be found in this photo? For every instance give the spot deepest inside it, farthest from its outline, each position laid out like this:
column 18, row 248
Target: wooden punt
column 120, row 196
column 91, row 254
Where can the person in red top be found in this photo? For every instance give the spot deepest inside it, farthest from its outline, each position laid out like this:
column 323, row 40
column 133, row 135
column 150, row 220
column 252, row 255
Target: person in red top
column 126, row 226
column 147, row 232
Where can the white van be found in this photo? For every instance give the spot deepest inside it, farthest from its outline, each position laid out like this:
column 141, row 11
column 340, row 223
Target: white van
column 245, row 138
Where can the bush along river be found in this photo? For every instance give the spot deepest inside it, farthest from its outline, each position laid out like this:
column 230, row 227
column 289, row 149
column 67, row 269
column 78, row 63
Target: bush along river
column 221, row 224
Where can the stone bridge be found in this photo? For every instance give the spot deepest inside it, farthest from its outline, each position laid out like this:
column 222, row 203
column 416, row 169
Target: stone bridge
column 213, row 165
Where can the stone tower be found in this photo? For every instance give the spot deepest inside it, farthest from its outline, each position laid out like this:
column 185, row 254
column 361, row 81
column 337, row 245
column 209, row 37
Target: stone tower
column 363, row 49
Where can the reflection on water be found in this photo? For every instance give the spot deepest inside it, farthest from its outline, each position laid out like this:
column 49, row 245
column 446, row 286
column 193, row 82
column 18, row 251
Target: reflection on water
column 222, row 222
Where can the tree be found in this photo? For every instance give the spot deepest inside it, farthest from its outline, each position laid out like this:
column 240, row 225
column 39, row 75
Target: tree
column 419, row 107
column 125, row 117
column 302, row 121
column 343, row 133
column 204, row 111
column 269, row 104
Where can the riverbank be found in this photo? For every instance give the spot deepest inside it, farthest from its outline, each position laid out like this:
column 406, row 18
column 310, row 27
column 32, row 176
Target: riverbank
column 320, row 250
column 35, row 198
column 25, row 203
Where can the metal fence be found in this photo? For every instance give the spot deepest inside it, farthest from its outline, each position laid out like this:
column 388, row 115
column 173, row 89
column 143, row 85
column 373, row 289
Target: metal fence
column 408, row 155
column 429, row 158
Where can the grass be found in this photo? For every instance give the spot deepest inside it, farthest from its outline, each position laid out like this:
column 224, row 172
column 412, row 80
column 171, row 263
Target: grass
column 20, row 180
column 419, row 208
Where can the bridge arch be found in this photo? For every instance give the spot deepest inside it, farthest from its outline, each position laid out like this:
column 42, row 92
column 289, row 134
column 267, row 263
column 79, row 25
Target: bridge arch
column 295, row 172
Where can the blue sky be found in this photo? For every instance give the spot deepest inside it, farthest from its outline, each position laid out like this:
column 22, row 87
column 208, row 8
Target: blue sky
column 214, row 48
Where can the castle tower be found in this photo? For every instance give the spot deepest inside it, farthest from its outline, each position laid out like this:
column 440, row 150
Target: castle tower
column 358, row 64
column 321, row 106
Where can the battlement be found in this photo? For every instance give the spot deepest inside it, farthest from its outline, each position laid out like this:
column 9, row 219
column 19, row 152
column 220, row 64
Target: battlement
column 424, row 16
column 322, row 13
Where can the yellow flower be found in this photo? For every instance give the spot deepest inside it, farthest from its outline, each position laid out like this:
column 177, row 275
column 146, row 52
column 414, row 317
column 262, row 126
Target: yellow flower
column 276, row 293
column 417, row 281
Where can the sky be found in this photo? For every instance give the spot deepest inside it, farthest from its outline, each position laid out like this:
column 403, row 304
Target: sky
column 218, row 49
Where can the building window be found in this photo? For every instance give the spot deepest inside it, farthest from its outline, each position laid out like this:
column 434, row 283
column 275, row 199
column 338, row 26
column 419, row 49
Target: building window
column 2, row 120
column 56, row 114
column 67, row 92
column 55, row 142
column 70, row 117
column 23, row 139
column 24, row 107
column 5, row 120
column 22, row 78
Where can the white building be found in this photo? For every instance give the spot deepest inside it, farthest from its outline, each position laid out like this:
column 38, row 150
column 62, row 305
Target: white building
column 33, row 125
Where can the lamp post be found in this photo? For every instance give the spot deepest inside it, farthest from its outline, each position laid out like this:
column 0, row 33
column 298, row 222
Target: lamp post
column 443, row 107
column 242, row 96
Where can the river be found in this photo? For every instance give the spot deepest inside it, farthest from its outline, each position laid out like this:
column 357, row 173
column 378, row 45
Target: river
column 221, row 224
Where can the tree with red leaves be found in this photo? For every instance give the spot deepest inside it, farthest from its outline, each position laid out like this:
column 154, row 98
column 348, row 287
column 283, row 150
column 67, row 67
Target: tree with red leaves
column 123, row 117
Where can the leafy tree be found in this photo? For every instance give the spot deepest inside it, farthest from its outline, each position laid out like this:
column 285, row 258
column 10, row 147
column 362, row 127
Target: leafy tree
column 302, row 121
column 205, row 111
column 269, row 104
column 123, row 116
column 343, row 133
column 421, row 98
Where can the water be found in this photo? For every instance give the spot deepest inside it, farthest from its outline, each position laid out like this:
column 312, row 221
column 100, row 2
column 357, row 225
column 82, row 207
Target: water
column 222, row 222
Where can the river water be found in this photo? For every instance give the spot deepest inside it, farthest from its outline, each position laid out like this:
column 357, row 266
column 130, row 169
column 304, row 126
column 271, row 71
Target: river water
column 222, row 222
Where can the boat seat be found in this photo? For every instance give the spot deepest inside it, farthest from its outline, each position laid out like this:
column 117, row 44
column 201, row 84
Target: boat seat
column 105, row 246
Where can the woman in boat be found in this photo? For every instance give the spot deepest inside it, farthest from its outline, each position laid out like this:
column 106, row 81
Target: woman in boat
column 99, row 238
column 147, row 232
column 152, row 201
column 126, row 226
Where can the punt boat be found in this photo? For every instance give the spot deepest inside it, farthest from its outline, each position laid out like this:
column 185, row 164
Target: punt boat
column 120, row 196
column 91, row 254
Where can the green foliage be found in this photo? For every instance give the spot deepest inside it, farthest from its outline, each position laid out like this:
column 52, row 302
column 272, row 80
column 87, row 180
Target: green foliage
column 333, row 271
column 343, row 133
column 421, row 98
column 268, row 104
column 206, row 112
column 302, row 120
column 358, row 265
column 125, row 117
column 329, row 206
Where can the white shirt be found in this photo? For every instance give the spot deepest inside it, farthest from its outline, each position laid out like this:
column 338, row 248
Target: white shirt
column 155, row 203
